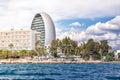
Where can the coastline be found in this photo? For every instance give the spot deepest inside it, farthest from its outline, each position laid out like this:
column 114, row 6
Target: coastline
column 26, row 61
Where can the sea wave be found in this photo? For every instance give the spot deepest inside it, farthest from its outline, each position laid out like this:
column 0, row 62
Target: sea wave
column 106, row 71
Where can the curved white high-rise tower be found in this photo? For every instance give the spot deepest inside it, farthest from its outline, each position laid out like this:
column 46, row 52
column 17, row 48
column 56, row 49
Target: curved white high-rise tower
column 43, row 24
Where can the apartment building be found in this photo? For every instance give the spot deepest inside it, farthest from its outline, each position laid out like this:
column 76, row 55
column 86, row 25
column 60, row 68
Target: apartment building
column 21, row 39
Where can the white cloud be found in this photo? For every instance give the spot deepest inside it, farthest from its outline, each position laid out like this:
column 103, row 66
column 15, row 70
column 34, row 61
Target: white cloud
column 75, row 24
column 103, row 28
column 115, row 44
column 110, row 36
column 94, row 29
column 20, row 12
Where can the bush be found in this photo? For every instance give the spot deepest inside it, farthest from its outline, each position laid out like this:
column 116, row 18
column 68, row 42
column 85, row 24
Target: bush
column 109, row 57
column 96, row 56
column 86, row 57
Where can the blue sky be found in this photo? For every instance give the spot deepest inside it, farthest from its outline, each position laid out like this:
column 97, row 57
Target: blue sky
column 78, row 19
column 85, row 22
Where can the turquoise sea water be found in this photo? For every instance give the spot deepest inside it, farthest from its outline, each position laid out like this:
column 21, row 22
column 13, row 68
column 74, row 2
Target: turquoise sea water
column 108, row 71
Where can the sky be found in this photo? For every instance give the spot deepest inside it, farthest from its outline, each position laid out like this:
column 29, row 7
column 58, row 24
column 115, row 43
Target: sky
column 78, row 19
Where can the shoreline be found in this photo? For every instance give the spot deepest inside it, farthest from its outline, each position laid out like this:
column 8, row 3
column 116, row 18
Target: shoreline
column 25, row 61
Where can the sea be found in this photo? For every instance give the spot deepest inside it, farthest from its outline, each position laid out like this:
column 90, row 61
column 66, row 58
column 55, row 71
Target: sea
column 103, row 71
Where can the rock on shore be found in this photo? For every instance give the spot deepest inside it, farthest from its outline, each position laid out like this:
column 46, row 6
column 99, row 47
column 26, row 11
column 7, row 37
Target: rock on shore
column 25, row 61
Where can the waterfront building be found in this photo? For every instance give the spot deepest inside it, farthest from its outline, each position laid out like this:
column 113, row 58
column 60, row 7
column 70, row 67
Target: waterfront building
column 43, row 24
column 21, row 39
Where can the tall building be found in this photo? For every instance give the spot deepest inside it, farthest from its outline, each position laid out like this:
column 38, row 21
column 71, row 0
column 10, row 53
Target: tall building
column 21, row 39
column 43, row 25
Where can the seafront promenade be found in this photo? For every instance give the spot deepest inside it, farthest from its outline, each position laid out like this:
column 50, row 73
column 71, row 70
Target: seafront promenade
column 47, row 61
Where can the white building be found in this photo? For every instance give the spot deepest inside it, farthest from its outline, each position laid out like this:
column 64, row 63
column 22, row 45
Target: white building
column 21, row 39
column 43, row 24
column 116, row 54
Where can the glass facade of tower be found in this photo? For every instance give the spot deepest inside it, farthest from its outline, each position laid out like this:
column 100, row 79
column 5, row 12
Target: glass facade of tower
column 39, row 26
column 44, row 28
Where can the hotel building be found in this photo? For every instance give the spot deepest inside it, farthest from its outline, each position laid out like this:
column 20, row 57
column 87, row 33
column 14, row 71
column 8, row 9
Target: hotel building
column 21, row 39
column 42, row 28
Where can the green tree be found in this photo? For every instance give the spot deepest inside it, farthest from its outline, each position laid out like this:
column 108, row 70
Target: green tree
column 54, row 47
column 74, row 46
column 11, row 46
column 78, row 50
column 41, row 51
column 90, row 45
column 23, row 53
column 6, row 54
column 67, row 46
column 96, row 55
column 89, row 49
column 109, row 57
column 37, row 46
column 104, row 47
column 83, row 48
column 32, row 53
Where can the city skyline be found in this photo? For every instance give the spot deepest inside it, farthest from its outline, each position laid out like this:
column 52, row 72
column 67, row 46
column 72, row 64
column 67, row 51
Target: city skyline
column 80, row 19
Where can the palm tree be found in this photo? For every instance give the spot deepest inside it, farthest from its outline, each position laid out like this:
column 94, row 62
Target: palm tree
column 54, row 47
column 23, row 53
column 104, row 47
column 37, row 44
column 77, row 50
column 68, row 46
column 41, row 51
column 73, row 47
column 38, row 49
column 11, row 46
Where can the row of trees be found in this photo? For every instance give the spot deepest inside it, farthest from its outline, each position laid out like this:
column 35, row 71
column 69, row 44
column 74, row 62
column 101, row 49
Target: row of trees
column 5, row 54
column 88, row 50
